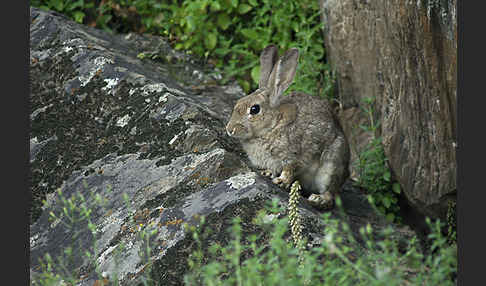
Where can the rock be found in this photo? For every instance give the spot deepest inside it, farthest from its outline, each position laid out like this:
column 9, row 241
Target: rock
column 141, row 144
column 92, row 94
column 403, row 54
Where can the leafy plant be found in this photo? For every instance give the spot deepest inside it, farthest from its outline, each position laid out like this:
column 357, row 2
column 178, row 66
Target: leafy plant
column 73, row 9
column 230, row 34
column 374, row 173
column 339, row 259
column 275, row 260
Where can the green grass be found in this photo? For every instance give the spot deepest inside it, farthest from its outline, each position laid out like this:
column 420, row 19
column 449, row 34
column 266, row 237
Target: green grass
column 340, row 260
column 267, row 258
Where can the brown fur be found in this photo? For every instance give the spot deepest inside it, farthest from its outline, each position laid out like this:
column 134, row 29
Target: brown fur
column 294, row 136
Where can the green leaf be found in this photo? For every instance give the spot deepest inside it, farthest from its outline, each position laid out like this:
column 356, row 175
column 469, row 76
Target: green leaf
column 368, row 100
column 364, row 127
column 253, row 3
column 396, row 188
column 78, row 16
column 249, row 33
column 244, row 84
column 77, row 4
column 89, row 5
column 148, row 22
column 103, row 20
column 224, row 21
column 190, row 23
column 221, row 52
column 387, row 176
column 215, row 6
column 255, row 74
column 390, row 217
column 211, row 40
column 234, row 3
column 295, row 26
column 386, row 202
column 244, row 8
column 57, row 4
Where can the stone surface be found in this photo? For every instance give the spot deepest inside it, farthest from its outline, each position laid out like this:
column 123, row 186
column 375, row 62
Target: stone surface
column 403, row 54
column 142, row 145
column 92, row 96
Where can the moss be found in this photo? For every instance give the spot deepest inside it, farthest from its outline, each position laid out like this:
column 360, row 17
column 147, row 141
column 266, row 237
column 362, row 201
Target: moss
column 171, row 197
column 86, row 128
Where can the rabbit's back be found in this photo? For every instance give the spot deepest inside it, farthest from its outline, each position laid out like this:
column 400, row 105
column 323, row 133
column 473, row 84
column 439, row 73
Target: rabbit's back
column 314, row 127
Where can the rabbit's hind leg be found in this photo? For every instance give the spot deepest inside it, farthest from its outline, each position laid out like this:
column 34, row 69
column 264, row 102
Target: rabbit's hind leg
column 322, row 201
column 331, row 174
column 325, row 184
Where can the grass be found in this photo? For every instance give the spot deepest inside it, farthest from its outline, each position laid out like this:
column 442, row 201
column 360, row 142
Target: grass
column 339, row 260
column 272, row 257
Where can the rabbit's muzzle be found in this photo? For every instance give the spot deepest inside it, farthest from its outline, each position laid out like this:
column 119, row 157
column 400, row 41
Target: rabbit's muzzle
column 235, row 130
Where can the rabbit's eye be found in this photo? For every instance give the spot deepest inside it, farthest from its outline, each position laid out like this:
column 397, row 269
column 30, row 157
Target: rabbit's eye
column 254, row 109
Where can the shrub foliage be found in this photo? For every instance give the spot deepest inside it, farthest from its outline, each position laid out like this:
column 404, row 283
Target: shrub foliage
column 230, row 34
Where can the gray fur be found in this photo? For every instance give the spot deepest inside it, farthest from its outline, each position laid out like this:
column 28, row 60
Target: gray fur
column 282, row 76
column 294, row 136
column 268, row 58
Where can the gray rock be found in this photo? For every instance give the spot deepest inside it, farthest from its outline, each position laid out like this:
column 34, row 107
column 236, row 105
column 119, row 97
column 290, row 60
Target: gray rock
column 91, row 92
column 143, row 143
column 403, row 54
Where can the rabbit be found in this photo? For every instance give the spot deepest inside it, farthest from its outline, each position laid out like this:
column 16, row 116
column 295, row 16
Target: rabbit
column 291, row 137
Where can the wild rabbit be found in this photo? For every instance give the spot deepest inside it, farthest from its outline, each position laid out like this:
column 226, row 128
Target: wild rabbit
column 293, row 137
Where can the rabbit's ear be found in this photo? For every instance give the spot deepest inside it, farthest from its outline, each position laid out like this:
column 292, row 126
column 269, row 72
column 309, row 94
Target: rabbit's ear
column 282, row 76
column 268, row 57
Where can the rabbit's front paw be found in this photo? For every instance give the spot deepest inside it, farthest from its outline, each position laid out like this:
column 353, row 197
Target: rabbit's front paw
column 322, row 201
column 284, row 180
column 281, row 182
